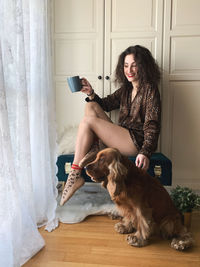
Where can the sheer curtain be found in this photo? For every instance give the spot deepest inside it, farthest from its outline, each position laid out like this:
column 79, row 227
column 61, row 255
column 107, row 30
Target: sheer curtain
column 27, row 130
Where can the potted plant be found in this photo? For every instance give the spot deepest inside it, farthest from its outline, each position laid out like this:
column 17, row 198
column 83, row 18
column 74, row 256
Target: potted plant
column 186, row 201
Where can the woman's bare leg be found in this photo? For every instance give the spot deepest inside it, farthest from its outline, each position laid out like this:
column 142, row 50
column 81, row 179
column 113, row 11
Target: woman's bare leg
column 112, row 135
column 85, row 139
column 96, row 124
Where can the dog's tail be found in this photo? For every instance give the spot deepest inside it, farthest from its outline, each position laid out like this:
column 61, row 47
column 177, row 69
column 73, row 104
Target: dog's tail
column 183, row 241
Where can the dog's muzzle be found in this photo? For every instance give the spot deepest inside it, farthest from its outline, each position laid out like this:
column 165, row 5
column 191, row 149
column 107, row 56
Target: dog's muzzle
column 90, row 172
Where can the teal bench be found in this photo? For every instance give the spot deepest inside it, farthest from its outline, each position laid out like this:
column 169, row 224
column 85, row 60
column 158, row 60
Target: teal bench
column 160, row 167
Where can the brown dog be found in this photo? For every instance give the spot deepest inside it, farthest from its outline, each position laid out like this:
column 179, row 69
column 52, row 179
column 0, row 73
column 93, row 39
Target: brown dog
column 142, row 201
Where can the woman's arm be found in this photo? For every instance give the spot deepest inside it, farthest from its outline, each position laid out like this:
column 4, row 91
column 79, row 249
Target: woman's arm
column 151, row 129
column 107, row 103
column 152, row 123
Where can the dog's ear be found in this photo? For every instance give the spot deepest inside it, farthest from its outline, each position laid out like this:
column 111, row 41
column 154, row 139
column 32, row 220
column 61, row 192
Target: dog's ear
column 117, row 174
column 89, row 157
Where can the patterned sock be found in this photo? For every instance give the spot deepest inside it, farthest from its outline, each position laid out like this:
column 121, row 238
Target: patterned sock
column 74, row 182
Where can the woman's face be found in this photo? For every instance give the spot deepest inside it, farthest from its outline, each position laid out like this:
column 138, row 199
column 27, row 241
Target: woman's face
column 130, row 68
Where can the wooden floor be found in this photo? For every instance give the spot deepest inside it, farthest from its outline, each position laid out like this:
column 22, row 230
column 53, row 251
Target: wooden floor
column 94, row 242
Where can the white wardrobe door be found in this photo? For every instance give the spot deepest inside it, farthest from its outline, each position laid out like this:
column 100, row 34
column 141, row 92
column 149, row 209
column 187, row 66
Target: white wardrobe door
column 78, row 50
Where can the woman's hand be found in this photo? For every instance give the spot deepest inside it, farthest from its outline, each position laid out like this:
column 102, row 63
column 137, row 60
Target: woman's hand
column 142, row 162
column 86, row 87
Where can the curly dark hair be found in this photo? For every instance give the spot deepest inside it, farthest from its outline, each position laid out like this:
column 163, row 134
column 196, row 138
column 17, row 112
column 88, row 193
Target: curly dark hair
column 148, row 70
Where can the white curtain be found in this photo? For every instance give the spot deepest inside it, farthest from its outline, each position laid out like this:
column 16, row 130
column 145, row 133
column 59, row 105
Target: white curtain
column 27, row 130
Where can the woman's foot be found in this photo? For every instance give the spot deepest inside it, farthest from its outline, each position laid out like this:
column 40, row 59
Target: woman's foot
column 74, row 182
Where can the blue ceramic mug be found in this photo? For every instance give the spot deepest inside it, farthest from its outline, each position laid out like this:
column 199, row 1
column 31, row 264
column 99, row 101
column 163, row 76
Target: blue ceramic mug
column 74, row 83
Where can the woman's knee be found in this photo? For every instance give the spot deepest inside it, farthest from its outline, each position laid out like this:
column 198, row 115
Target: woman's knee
column 90, row 108
column 94, row 109
column 87, row 121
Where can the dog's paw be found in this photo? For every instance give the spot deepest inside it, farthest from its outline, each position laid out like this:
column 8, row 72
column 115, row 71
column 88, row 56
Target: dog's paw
column 114, row 216
column 181, row 243
column 133, row 240
column 122, row 229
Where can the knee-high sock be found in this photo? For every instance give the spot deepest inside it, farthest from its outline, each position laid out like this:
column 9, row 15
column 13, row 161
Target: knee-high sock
column 74, row 182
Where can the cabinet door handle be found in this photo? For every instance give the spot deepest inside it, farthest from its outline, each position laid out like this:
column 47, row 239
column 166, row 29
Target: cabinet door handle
column 107, row 77
column 99, row 77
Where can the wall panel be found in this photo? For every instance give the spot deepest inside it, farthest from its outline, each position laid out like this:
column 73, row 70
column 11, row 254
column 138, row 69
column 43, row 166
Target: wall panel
column 185, row 131
column 72, row 16
column 138, row 15
column 71, row 57
column 185, row 14
column 185, row 55
column 180, row 138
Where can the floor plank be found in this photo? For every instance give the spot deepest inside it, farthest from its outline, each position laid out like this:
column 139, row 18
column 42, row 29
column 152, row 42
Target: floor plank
column 94, row 242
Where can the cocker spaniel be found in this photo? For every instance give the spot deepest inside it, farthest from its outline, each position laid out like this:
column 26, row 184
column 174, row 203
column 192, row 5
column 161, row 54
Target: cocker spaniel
column 143, row 203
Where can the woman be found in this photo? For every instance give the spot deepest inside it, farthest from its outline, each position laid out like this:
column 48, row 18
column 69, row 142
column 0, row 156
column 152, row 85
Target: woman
column 138, row 127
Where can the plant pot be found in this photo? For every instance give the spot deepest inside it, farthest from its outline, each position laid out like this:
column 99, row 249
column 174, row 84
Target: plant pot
column 187, row 218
